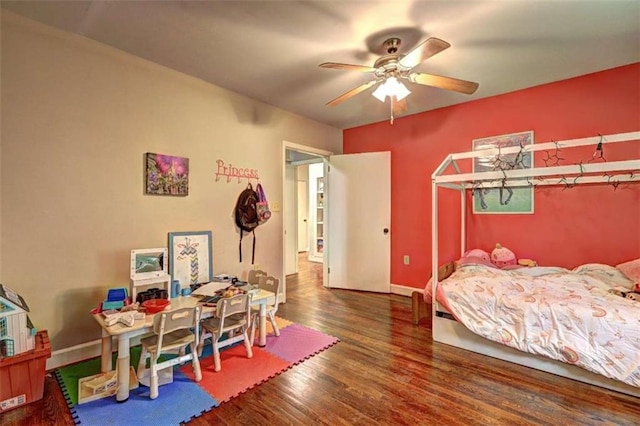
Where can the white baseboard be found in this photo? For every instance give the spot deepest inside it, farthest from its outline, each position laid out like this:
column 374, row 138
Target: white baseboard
column 73, row 354
column 82, row 352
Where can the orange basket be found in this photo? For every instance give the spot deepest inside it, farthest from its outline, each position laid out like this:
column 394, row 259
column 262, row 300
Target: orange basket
column 153, row 306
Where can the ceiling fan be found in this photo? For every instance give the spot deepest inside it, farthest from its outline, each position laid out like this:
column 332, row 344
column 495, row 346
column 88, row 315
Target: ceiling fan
column 393, row 67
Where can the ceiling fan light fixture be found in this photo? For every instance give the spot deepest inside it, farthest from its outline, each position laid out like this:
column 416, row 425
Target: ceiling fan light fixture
column 398, row 89
column 391, row 87
column 388, row 71
column 380, row 93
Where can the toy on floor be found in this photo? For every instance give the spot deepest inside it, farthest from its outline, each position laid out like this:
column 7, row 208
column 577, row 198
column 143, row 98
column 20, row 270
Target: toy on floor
column 102, row 385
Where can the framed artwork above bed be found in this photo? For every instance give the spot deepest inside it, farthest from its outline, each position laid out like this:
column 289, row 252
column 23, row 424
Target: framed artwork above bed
column 503, row 200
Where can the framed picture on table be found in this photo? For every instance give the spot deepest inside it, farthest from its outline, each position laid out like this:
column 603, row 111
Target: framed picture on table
column 503, row 200
column 191, row 257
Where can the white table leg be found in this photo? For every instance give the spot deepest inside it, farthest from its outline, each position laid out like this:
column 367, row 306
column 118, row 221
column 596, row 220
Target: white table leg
column 123, row 368
column 105, row 355
column 262, row 336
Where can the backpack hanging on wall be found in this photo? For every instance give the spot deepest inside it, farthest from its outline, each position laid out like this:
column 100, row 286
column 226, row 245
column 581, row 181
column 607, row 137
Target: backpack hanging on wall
column 262, row 206
column 246, row 213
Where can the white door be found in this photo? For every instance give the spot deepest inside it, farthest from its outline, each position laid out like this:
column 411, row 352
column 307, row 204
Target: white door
column 303, row 213
column 358, row 217
column 290, row 221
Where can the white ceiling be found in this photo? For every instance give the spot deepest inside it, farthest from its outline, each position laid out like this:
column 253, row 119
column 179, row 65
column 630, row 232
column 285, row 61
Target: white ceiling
column 270, row 50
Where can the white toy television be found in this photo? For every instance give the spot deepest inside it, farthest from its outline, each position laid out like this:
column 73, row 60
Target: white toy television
column 149, row 263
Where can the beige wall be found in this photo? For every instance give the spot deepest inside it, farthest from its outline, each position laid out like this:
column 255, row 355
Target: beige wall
column 77, row 118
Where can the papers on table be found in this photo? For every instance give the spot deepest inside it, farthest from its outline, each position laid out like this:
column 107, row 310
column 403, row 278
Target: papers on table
column 209, row 289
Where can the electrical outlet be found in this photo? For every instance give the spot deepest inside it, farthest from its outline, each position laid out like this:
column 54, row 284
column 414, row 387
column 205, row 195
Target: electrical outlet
column 406, row 259
column 275, row 206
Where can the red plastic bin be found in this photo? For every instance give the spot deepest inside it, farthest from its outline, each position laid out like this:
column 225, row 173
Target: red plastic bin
column 22, row 376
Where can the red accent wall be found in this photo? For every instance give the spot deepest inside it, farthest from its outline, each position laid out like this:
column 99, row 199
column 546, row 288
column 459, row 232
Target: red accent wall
column 591, row 223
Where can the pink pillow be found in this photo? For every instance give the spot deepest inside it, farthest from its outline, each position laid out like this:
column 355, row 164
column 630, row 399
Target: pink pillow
column 477, row 253
column 631, row 269
column 472, row 260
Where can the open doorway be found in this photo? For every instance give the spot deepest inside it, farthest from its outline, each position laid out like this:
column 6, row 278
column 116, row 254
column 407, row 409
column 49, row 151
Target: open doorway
column 314, row 204
column 303, row 204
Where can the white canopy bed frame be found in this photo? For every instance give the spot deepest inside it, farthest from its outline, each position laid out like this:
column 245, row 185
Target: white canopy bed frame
column 448, row 175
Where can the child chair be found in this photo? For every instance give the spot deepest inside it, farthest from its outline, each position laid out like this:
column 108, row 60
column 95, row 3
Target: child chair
column 232, row 315
column 271, row 284
column 254, row 276
column 172, row 330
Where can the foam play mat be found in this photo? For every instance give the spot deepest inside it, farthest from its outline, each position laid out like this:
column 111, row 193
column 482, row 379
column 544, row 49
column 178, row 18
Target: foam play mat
column 183, row 398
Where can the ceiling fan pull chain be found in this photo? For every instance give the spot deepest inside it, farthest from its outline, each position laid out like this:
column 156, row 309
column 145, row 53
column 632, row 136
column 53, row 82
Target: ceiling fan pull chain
column 391, row 103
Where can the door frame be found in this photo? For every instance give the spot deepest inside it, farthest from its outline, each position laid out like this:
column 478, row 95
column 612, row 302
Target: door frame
column 322, row 154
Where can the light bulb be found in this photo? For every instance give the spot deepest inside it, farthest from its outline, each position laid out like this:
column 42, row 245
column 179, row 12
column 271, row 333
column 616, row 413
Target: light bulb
column 391, row 87
column 381, row 92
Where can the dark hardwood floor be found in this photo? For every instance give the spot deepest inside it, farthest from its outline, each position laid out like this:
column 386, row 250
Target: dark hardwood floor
column 387, row 371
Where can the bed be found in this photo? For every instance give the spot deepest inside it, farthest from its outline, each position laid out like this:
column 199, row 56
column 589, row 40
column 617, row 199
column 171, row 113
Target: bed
column 561, row 321
column 564, row 315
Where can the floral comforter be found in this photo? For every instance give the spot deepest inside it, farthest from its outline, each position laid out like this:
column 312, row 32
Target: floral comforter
column 565, row 315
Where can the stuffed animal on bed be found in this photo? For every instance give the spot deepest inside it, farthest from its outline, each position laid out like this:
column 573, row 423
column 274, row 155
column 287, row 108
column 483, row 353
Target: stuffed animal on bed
column 503, row 257
column 633, row 296
column 530, row 263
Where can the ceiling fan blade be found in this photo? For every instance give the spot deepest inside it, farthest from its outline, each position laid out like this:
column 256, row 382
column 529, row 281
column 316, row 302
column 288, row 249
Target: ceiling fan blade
column 338, row 66
column 400, row 107
column 448, row 83
column 351, row 93
column 423, row 51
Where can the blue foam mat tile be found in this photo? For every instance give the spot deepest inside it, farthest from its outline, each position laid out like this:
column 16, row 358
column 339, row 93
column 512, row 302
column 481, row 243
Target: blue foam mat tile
column 176, row 403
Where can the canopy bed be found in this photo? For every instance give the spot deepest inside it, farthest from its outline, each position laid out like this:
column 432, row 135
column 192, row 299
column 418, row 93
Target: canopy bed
column 561, row 321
